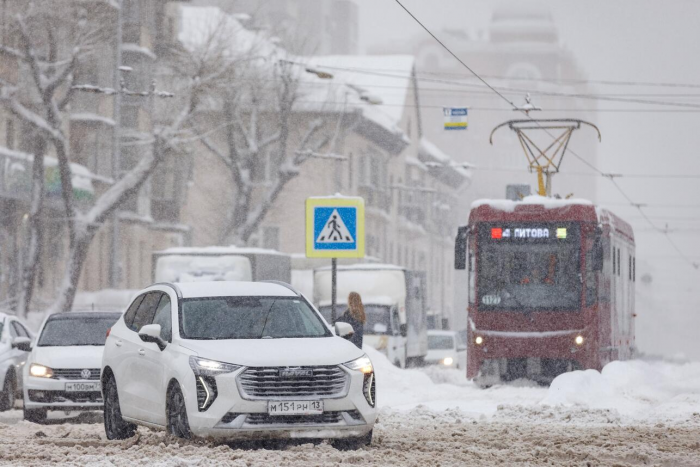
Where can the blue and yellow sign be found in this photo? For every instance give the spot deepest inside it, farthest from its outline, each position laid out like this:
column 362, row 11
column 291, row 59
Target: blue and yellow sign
column 455, row 118
column 335, row 227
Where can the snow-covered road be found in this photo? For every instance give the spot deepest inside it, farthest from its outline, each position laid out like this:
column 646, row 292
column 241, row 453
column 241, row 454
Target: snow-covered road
column 634, row 413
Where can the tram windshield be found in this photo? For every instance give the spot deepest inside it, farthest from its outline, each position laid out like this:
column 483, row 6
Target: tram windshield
column 529, row 268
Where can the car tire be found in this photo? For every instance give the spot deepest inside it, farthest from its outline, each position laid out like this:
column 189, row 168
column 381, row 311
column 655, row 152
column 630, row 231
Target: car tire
column 34, row 415
column 115, row 426
column 352, row 444
column 7, row 395
column 176, row 413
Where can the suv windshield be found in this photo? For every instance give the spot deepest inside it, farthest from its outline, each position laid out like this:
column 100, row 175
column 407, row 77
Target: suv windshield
column 76, row 331
column 378, row 317
column 249, row 318
column 441, row 343
column 529, row 268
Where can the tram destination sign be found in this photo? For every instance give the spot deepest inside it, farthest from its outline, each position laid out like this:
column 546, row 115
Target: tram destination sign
column 530, row 232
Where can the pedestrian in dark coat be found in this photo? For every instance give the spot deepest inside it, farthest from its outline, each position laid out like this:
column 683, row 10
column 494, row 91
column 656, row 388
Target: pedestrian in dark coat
column 355, row 316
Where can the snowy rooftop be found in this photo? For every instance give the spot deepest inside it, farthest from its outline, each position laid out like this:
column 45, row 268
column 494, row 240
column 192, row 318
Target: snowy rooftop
column 218, row 250
column 348, row 91
column 387, row 77
column 547, row 203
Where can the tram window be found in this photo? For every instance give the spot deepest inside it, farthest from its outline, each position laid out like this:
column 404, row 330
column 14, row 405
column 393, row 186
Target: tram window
column 618, row 262
column 614, row 262
column 629, row 274
column 539, row 277
column 591, row 289
column 634, row 269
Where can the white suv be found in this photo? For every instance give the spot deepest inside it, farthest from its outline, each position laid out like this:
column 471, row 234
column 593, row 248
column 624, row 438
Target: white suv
column 235, row 360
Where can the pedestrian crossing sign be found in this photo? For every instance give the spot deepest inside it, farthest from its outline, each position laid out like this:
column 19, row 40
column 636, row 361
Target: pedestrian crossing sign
column 335, row 227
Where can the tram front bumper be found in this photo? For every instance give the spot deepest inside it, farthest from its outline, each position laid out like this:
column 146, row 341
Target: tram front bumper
column 538, row 352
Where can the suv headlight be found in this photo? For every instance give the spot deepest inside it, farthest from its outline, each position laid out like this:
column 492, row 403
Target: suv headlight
column 204, row 367
column 40, row 371
column 363, row 364
column 204, row 373
column 369, row 385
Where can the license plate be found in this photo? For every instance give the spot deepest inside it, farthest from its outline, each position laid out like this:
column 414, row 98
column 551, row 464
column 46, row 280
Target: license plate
column 82, row 387
column 295, row 408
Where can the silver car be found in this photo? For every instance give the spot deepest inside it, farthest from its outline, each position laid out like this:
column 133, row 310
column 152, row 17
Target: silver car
column 15, row 344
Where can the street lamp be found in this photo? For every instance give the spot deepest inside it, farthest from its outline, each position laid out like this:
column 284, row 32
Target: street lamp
column 451, row 164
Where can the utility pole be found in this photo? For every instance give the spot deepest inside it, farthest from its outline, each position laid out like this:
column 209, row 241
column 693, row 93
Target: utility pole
column 114, row 265
column 118, row 91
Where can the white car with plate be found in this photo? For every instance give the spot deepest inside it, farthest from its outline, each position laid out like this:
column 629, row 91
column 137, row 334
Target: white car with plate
column 235, row 360
column 63, row 368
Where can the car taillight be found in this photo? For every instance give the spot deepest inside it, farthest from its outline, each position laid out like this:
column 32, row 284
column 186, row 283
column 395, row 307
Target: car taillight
column 108, row 331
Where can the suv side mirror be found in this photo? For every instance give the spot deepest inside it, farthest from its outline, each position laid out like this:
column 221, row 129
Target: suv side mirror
column 151, row 333
column 343, row 330
column 404, row 330
column 22, row 343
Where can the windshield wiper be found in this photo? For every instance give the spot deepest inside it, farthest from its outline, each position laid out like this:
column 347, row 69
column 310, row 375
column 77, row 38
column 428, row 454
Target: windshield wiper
column 268, row 337
column 267, row 317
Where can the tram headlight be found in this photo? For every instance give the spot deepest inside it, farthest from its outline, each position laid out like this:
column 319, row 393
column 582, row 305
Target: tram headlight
column 579, row 340
column 479, row 340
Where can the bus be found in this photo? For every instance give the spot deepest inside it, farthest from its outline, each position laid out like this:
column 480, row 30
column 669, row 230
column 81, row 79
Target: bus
column 551, row 288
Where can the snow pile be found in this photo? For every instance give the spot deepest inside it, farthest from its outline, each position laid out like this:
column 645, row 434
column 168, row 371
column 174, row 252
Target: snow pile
column 548, row 203
column 636, row 389
column 407, row 390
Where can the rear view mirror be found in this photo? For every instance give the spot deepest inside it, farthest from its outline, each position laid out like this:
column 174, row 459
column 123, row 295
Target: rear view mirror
column 22, row 343
column 151, row 333
column 343, row 330
column 461, row 248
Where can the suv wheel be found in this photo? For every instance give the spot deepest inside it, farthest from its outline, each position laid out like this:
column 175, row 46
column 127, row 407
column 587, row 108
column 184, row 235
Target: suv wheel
column 115, row 426
column 352, row 444
column 177, row 414
column 7, row 395
column 34, row 415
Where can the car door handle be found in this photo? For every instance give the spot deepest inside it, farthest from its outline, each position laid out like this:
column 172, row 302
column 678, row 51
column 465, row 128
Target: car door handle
column 118, row 343
column 142, row 352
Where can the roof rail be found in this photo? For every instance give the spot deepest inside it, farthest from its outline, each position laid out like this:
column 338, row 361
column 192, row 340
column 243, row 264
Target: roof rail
column 172, row 286
column 283, row 284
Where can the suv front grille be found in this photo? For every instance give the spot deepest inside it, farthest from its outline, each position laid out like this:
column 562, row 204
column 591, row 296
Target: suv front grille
column 76, row 373
column 269, row 382
column 49, row 397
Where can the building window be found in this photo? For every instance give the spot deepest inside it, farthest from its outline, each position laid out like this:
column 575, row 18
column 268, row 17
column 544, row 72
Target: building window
column 165, row 205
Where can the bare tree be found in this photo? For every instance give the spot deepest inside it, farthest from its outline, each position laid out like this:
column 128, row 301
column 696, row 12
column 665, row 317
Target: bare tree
column 51, row 42
column 194, row 74
column 263, row 133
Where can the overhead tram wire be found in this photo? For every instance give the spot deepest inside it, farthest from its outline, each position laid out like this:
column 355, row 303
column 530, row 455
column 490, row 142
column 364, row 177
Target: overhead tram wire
column 496, row 109
column 501, row 90
column 585, row 162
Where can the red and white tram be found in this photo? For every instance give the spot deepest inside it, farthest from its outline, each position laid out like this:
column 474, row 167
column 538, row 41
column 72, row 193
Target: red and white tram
column 551, row 288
